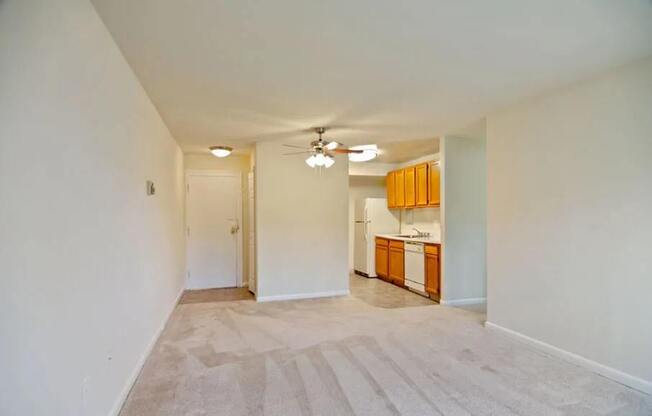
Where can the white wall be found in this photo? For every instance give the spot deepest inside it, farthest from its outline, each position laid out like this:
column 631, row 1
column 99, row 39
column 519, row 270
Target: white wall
column 464, row 196
column 301, row 225
column 362, row 187
column 91, row 266
column 569, row 224
column 426, row 220
column 232, row 163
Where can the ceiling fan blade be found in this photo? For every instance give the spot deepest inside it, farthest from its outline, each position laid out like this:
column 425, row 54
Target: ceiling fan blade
column 346, row 151
column 296, row 147
column 298, row 153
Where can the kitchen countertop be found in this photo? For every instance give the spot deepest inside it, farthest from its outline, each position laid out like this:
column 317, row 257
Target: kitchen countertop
column 426, row 240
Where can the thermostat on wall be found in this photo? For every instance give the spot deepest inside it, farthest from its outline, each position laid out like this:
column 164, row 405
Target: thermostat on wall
column 151, row 190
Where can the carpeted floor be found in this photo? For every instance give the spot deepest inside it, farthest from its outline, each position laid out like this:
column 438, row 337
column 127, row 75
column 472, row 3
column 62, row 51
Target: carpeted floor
column 344, row 356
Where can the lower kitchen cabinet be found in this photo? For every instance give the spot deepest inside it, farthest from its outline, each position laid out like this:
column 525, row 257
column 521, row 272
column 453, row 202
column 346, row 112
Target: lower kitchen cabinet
column 390, row 264
column 382, row 258
column 433, row 283
column 396, row 263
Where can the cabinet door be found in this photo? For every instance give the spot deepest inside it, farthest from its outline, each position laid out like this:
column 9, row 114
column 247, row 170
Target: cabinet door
column 391, row 190
column 433, row 186
column 432, row 274
column 410, row 187
column 396, row 266
column 421, row 172
column 381, row 260
column 399, row 187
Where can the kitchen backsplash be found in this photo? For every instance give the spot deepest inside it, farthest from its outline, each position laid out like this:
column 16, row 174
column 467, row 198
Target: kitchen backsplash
column 423, row 219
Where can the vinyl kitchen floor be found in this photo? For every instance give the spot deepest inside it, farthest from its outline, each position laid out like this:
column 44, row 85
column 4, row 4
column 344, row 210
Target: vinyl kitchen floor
column 378, row 293
column 347, row 356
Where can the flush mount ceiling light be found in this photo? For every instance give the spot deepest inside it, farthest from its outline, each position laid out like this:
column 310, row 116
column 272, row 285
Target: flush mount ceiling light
column 221, row 151
column 367, row 152
column 321, row 151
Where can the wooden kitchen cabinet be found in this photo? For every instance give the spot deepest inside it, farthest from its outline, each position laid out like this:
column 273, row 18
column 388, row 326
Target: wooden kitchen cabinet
column 414, row 186
column 382, row 258
column 391, row 190
column 396, row 263
column 432, row 270
column 434, row 185
column 410, row 186
column 399, row 188
column 421, row 184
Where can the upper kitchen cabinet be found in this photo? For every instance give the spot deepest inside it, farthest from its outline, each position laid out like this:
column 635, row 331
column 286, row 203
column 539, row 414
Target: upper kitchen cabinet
column 399, row 188
column 410, row 187
column 414, row 186
column 391, row 190
column 421, row 185
column 434, row 185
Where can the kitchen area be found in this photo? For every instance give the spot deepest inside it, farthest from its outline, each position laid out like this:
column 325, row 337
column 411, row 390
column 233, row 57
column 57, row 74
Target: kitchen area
column 397, row 235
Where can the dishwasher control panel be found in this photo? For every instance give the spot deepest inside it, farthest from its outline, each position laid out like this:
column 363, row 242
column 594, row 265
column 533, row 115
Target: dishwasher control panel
column 413, row 247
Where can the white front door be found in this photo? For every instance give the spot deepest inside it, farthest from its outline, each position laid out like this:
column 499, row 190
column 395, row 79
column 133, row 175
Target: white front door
column 213, row 229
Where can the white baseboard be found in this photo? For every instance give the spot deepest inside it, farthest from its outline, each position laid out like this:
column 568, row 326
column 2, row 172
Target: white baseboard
column 461, row 302
column 609, row 372
column 296, row 296
column 117, row 407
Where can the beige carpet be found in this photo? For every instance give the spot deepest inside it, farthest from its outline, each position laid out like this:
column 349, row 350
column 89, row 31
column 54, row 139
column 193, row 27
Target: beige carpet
column 343, row 356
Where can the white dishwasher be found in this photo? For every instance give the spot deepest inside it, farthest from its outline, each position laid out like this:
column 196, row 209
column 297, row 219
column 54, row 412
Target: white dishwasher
column 415, row 267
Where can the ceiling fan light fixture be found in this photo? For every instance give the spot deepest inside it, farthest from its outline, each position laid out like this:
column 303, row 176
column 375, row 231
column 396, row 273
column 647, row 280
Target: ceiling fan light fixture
column 320, row 159
column 329, row 162
column 221, row 151
column 369, row 152
column 311, row 161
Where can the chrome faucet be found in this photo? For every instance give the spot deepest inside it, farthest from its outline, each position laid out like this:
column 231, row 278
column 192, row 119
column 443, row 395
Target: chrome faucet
column 421, row 234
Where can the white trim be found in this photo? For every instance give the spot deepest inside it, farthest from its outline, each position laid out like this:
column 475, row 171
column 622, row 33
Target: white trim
column 239, row 262
column 296, row 296
column 120, row 401
column 609, row 372
column 461, row 302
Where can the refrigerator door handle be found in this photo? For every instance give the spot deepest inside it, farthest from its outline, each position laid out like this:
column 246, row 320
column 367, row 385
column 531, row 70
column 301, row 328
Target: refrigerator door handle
column 365, row 224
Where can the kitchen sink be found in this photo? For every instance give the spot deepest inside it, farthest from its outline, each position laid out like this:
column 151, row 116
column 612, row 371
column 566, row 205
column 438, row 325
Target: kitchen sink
column 407, row 236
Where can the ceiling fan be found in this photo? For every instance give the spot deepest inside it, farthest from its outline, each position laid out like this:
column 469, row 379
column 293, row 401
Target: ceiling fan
column 322, row 151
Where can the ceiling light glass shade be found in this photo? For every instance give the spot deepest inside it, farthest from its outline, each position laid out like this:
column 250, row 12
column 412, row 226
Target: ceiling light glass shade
column 311, row 161
column 320, row 159
column 369, row 151
column 221, row 151
column 329, row 161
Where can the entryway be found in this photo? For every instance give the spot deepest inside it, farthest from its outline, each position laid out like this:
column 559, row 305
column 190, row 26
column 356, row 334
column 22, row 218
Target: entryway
column 213, row 229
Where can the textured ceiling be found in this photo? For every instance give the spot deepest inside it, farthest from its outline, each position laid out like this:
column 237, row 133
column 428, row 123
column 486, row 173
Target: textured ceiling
column 235, row 72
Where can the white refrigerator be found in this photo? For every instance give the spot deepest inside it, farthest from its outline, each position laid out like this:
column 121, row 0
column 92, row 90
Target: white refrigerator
column 371, row 217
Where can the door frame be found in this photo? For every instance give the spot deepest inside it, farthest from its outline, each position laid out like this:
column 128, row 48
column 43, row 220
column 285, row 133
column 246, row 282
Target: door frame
column 218, row 173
